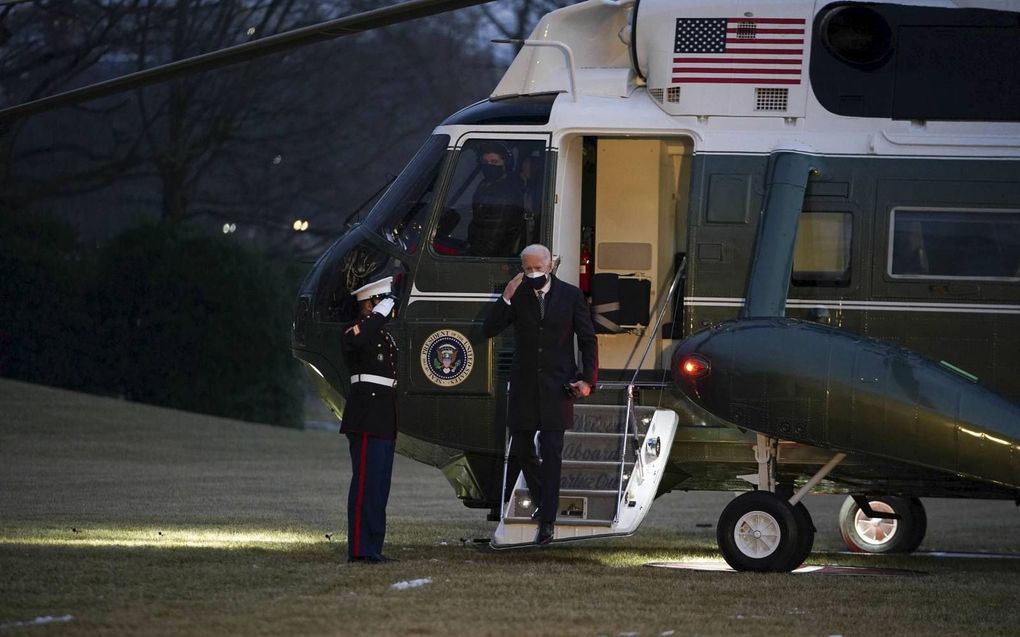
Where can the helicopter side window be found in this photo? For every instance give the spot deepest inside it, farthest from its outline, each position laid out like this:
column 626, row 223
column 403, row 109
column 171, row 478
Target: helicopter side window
column 821, row 254
column 960, row 244
column 494, row 201
column 403, row 210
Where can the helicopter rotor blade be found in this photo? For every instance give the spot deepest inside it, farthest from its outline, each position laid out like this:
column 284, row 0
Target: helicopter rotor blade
column 338, row 28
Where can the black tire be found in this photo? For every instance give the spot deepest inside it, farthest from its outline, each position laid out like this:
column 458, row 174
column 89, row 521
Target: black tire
column 806, row 526
column 920, row 523
column 864, row 535
column 760, row 531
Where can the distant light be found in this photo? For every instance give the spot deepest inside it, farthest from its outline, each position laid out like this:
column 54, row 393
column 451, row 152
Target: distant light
column 300, row 225
column 277, row 160
column 251, row 31
column 525, row 502
column 229, row 227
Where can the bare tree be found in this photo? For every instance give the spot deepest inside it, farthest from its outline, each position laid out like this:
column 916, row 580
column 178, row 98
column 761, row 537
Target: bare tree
column 44, row 47
column 303, row 134
column 517, row 20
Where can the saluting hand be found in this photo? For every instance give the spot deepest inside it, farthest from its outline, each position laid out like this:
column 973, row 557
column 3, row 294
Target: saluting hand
column 511, row 286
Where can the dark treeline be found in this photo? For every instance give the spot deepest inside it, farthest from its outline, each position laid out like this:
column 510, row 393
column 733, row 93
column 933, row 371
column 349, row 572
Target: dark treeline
column 147, row 247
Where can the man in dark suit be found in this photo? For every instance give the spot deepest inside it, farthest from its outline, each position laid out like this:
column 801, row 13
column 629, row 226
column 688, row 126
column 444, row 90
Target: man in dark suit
column 546, row 314
column 370, row 420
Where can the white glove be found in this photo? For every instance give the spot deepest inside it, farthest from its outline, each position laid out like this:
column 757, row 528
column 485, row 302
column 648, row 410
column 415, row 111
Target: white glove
column 384, row 307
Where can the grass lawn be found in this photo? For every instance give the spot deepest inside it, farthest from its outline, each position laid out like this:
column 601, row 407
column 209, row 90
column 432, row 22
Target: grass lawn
column 118, row 518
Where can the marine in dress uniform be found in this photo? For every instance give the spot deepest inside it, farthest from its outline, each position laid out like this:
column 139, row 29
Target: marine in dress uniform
column 370, row 420
column 546, row 314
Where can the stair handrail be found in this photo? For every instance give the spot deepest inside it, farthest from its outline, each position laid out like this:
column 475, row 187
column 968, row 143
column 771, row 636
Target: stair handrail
column 633, row 382
column 504, row 506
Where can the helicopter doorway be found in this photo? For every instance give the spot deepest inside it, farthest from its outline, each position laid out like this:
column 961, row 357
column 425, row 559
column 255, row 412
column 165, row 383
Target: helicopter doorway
column 627, row 200
column 634, row 205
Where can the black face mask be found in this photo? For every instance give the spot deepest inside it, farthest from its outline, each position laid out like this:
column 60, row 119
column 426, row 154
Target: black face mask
column 538, row 282
column 492, row 172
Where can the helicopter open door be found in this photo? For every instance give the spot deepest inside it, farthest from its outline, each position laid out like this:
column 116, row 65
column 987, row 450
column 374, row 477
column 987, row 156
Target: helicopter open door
column 635, row 208
column 632, row 202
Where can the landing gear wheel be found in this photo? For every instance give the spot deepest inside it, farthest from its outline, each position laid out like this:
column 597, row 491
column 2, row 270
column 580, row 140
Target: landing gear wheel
column 760, row 531
column 877, row 535
column 920, row 520
column 807, row 535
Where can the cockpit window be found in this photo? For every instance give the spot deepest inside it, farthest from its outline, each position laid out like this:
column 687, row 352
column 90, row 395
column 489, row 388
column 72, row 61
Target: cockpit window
column 402, row 212
column 494, row 201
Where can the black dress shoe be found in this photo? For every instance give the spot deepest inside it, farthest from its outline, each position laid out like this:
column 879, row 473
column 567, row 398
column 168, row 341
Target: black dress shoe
column 546, row 531
column 371, row 559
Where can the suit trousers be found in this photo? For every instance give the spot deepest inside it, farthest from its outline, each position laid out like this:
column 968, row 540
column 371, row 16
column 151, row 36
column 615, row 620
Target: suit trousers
column 372, row 461
column 543, row 479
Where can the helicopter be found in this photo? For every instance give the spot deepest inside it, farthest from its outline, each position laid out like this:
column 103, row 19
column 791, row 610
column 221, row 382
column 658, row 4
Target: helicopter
column 799, row 226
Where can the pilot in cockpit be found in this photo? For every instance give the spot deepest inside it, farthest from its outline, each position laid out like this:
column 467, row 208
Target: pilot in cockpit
column 498, row 215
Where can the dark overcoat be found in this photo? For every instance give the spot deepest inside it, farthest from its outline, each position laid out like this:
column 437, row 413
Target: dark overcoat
column 369, row 349
column 544, row 354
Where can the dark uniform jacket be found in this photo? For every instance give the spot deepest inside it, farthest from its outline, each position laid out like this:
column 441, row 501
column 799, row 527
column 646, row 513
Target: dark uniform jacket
column 544, row 354
column 369, row 349
column 497, row 218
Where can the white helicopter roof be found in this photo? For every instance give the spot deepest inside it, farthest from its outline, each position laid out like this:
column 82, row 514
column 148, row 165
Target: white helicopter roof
column 584, row 51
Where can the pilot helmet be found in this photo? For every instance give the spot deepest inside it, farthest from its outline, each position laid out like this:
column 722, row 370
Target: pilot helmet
column 375, row 288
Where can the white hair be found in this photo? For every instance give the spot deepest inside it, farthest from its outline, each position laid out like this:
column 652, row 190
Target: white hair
column 537, row 249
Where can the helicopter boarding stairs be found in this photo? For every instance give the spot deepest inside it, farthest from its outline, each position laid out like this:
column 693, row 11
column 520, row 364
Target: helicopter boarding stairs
column 613, row 460
column 610, row 476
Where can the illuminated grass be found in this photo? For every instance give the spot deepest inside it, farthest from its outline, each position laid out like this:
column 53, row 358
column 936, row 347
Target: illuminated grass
column 152, row 537
column 144, row 521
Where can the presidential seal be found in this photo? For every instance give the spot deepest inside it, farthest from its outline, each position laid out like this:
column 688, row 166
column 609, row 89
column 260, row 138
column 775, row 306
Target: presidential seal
column 447, row 358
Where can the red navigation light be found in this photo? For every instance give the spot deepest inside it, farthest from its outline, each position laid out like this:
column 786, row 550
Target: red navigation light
column 693, row 366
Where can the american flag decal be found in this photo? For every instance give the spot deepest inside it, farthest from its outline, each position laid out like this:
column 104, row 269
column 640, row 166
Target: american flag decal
column 738, row 51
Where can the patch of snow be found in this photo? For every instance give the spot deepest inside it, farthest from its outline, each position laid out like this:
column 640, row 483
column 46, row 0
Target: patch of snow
column 415, row 583
column 39, row 621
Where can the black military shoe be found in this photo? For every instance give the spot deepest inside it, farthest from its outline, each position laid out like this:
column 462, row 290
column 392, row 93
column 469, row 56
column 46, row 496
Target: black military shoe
column 546, row 531
column 371, row 559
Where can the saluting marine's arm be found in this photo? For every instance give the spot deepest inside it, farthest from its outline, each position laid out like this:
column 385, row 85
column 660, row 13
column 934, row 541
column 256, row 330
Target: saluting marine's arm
column 364, row 329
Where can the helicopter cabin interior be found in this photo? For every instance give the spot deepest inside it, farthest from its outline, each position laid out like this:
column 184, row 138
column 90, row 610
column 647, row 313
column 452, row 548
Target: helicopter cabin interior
column 631, row 206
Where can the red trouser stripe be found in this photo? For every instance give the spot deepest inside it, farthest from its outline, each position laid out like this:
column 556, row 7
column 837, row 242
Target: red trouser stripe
column 361, row 494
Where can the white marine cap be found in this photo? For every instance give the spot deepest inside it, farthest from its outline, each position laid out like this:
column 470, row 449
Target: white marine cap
column 375, row 288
